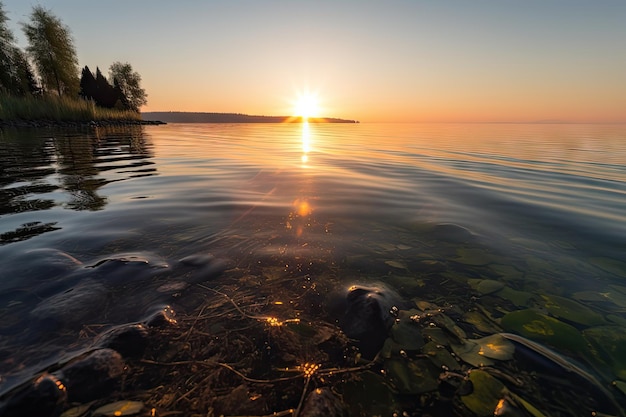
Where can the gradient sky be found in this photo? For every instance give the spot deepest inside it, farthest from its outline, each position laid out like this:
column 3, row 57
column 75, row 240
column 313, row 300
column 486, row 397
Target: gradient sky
column 430, row 60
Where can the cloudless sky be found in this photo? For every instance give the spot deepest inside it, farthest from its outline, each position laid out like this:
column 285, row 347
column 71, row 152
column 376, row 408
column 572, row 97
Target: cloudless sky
column 411, row 60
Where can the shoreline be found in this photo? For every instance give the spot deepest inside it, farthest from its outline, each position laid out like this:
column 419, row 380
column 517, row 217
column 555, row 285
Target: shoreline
column 43, row 124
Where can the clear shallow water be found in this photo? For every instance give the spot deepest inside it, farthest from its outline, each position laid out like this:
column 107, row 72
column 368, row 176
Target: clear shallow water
column 320, row 207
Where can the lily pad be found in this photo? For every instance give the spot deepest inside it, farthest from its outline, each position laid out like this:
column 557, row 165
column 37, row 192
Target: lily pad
column 120, row 408
column 519, row 298
column 446, row 323
column 396, row 264
column 485, row 286
column 368, row 392
column 508, row 272
column 610, row 265
column 426, row 305
column 609, row 343
column 440, row 357
column 609, row 295
column 473, row 257
column 407, row 335
column 615, row 319
column 486, row 394
column 534, row 412
column 496, row 347
column 571, row 310
column 435, row 334
column 412, row 377
column 481, row 322
column 542, row 328
column 469, row 353
column 483, row 352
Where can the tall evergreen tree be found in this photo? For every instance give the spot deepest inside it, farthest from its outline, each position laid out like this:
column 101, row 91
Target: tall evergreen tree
column 6, row 51
column 25, row 80
column 105, row 96
column 16, row 76
column 129, row 82
column 51, row 48
column 88, row 87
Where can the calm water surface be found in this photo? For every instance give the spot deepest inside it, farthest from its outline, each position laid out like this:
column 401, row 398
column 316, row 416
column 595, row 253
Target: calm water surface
column 487, row 219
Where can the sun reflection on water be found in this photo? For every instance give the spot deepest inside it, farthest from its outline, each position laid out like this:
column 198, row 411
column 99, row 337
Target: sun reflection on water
column 306, row 142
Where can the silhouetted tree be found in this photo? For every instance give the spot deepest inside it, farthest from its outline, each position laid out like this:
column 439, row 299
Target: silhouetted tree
column 25, row 80
column 129, row 82
column 88, row 86
column 101, row 91
column 105, row 95
column 122, row 102
column 6, row 52
column 51, row 48
column 16, row 76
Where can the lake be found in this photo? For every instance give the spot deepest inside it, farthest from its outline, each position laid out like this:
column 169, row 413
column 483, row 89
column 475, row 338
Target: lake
column 368, row 269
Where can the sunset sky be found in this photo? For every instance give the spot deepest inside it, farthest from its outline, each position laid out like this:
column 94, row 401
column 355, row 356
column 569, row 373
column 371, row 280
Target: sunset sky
column 373, row 61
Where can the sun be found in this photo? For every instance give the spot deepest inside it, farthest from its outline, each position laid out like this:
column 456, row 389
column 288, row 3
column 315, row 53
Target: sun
column 306, row 105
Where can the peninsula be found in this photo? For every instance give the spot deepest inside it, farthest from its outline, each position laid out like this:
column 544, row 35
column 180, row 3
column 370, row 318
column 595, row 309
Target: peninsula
column 195, row 117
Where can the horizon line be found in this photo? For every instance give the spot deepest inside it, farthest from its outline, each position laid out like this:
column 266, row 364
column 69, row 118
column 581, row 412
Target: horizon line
column 541, row 121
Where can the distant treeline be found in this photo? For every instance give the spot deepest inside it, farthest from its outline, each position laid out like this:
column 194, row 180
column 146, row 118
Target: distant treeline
column 191, row 117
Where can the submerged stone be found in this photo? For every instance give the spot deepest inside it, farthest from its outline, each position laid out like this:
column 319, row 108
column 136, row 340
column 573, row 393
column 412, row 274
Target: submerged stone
column 365, row 314
column 207, row 266
column 44, row 397
column 160, row 316
column 130, row 340
column 73, row 305
column 45, row 263
column 127, row 267
column 92, row 376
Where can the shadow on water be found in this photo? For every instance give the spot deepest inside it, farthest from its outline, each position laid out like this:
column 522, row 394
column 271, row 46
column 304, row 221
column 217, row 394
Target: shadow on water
column 56, row 169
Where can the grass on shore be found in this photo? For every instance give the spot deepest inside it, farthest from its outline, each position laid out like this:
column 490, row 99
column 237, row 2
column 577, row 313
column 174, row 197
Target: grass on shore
column 59, row 109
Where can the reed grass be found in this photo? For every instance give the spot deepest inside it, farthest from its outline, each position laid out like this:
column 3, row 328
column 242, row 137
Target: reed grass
column 58, row 109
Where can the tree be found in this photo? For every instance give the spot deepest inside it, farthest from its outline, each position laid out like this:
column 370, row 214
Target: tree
column 25, row 82
column 51, row 47
column 16, row 75
column 87, row 85
column 6, row 52
column 129, row 82
column 106, row 94
column 98, row 89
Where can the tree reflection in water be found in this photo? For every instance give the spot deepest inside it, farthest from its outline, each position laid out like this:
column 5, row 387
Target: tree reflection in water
column 44, row 169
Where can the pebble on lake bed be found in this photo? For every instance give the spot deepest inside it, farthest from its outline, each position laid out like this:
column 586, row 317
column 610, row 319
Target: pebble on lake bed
column 92, row 376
